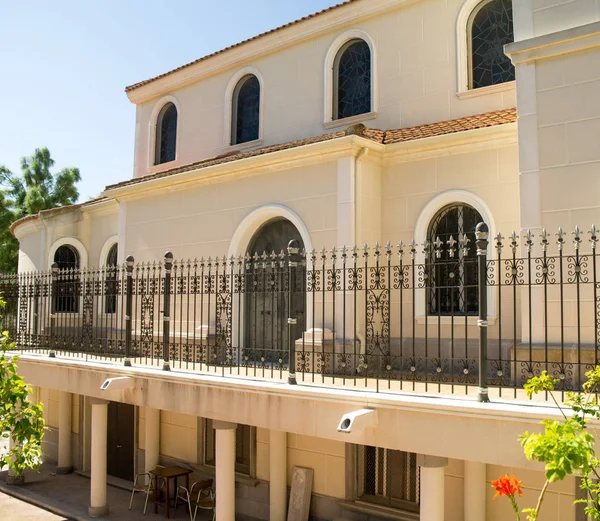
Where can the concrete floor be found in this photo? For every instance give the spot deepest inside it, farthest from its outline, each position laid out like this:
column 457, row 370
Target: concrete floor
column 68, row 496
column 12, row 509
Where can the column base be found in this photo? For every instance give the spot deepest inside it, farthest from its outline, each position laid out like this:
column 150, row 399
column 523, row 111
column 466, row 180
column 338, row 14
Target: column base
column 98, row 511
column 64, row 470
column 15, row 480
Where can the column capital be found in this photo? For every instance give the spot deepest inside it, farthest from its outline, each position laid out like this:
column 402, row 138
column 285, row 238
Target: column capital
column 222, row 425
column 98, row 401
column 431, row 462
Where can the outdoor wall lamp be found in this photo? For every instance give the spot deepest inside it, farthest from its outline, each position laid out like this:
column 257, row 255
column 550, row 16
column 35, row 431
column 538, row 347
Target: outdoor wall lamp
column 358, row 420
column 121, row 382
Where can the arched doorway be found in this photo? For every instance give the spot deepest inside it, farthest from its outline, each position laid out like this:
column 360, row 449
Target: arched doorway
column 265, row 306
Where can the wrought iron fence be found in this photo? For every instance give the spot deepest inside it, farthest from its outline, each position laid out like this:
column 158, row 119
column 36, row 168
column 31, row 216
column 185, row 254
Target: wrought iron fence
column 404, row 317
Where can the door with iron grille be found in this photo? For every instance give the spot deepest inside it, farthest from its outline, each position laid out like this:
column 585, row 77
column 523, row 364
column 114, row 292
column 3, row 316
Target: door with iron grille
column 266, row 294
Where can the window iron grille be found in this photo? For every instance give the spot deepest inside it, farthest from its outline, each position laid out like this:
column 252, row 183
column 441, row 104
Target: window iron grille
column 452, row 261
column 68, row 285
column 388, row 478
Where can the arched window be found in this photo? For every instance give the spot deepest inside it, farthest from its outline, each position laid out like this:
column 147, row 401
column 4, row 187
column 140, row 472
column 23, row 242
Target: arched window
column 110, row 300
column 68, row 285
column 245, row 110
column 166, row 134
column 452, row 261
column 352, row 80
column 491, row 28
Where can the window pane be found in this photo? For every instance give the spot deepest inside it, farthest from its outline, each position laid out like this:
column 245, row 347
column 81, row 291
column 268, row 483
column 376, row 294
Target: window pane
column 491, row 29
column 353, row 81
column 166, row 134
column 452, row 261
column 110, row 304
column 68, row 286
column 243, row 447
column 247, row 107
column 389, row 477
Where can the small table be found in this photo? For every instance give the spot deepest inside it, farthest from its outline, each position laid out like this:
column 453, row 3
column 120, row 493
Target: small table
column 168, row 473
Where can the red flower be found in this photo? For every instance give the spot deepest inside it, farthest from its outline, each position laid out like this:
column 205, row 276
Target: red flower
column 507, row 486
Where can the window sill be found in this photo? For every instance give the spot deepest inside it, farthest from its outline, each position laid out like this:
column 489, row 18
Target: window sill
column 379, row 511
column 447, row 321
column 163, row 166
column 484, row 91
column 242, row 479
column 346, row 122
column 244, row 146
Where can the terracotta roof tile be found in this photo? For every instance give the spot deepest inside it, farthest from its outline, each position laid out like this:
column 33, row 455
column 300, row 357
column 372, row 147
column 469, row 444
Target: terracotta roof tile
column 379, row 136
column 490, row 119
column 319, row 13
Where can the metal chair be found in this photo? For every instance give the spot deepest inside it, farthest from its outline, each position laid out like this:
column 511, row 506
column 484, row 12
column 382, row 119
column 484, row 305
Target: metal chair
column 199, row 496
column 145, row 488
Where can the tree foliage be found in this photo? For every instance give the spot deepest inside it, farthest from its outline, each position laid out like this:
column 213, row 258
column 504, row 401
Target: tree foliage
column 20, row 418
column 566, row 447
column 36, row 189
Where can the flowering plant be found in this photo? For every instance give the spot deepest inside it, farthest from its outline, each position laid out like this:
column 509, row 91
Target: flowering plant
column 509, row 486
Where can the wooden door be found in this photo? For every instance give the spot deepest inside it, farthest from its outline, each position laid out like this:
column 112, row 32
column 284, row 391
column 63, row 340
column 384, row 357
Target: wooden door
column 120, row 440
column 266, row 301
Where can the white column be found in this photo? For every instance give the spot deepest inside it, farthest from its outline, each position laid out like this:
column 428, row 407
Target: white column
column 98, row 505
column 277, row 475
column 432, row 487
column 65, row 459
column 152, row 432
column 475, row 491
column 225, row 470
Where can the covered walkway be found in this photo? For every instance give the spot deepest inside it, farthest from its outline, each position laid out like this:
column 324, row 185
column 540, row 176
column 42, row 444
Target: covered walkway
column 68, row 496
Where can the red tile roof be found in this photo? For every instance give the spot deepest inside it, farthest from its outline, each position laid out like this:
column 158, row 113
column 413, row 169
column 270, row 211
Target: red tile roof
column 386, row 137
column 319, row 13
column 489, row 119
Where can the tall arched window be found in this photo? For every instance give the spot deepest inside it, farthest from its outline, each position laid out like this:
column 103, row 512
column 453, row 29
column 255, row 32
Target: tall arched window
column 491, row 28
column 166, row 134
column 245, row 110
column 110, row 301
column 352, row 80
column 452, row 261
column 68, row 286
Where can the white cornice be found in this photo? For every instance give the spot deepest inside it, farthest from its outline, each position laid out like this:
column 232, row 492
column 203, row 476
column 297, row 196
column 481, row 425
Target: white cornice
column 446, row 144
column 456, row 143
column 107, row 206
column 27, row 228
column 242, row 55
column 555, row 44
column 314, row 153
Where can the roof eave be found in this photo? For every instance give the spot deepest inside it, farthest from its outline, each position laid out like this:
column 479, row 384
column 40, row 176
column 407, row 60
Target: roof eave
column 253, row 48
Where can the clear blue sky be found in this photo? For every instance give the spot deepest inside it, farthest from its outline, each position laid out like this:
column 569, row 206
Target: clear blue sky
column 64, row 66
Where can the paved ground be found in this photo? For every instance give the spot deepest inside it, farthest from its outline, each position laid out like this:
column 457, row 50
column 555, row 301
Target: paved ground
column 12, row 509
column 68, row 497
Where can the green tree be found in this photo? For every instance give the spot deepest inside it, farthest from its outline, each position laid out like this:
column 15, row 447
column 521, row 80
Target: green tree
column 566, row 447
column 20, row 418
column 36, row 189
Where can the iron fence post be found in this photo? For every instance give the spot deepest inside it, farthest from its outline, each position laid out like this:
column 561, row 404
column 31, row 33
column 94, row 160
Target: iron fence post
column 167, row 310
column 481, row 236
column 293, row 250
column 54, row 282
column 128, row 307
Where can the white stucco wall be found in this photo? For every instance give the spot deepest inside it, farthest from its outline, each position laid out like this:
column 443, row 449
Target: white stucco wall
column 415, row 83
